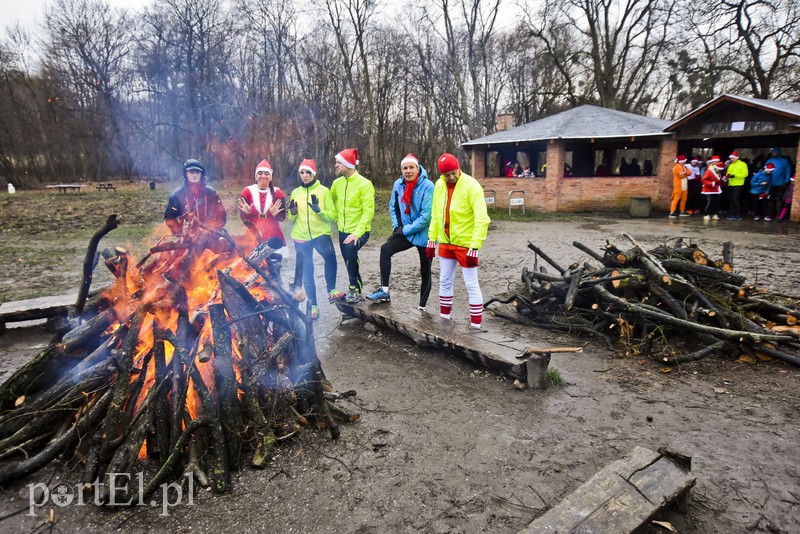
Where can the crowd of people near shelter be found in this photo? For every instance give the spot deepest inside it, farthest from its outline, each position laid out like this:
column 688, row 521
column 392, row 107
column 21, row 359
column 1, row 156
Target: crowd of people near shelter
column 762, row 189
column 450, row 215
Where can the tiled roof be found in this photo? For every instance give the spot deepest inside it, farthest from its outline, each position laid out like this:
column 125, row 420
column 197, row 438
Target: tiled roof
column 582, row 122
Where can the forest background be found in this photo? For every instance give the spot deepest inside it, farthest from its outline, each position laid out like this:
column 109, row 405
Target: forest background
column 95, row 92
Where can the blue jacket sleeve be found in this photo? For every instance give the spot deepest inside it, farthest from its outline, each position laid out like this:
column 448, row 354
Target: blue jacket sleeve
column 392, row 202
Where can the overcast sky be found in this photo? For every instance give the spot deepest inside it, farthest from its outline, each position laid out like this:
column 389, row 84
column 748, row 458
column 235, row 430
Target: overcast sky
column 31, row 12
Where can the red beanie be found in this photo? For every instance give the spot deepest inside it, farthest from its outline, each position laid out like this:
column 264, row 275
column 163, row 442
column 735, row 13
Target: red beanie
column 448, row 163
column 308, row 165
column 348, row 157
column 263, row 166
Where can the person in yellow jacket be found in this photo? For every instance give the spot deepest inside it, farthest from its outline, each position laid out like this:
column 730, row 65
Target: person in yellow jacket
column 680, row 187
column 736, row 174
column 311, row 210
column 459, row 224
column 354, row 200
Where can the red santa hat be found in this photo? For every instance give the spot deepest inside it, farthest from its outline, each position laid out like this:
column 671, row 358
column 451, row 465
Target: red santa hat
column 410, row 158
column 696, row 159
column 448, row 163
column 769, row 167
column 308, row 165
column 734, row 155
column 348, row 157
column 719, row 164
column 263, row 166
column 681, row 158
column 713, row 159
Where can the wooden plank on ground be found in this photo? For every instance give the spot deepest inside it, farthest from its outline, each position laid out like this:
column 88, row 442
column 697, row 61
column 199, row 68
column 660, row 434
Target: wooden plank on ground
column 433, row 331
column 39, row 308
column 622, row 496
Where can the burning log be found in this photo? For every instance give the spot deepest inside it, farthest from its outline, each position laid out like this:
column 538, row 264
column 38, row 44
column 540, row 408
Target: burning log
column 670, row 290
column 178, row 364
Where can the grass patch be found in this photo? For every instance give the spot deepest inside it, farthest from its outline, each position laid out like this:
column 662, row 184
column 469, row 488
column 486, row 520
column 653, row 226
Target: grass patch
column 554, row 375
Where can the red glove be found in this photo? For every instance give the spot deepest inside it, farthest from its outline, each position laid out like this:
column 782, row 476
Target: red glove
column 430, row 250
column 472, row 257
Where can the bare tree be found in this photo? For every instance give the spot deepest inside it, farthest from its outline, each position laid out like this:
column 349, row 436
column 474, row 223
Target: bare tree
column 618, row 45
column 91, row 43
column 752, row 46
column 352, row 24
column 186, row 50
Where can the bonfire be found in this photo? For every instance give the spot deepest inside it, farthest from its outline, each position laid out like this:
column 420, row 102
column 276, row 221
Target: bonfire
column 194, row 362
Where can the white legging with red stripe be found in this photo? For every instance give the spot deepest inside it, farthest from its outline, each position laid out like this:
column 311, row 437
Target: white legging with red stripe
column 447, row 267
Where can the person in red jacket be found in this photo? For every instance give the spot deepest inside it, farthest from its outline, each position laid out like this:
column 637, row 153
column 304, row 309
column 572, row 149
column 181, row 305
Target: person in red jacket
column 262, row 206
column 712, row 187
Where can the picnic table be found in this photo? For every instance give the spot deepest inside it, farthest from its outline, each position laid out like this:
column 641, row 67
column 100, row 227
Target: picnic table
column 64, row 188
column 106, row 186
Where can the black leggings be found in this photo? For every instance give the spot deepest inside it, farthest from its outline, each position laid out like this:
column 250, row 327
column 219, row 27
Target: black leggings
column 399, row 243
column 350, row 256
column 712, row 204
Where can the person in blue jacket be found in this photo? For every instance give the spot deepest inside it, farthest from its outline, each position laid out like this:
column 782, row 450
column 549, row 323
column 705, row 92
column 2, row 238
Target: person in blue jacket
column 760, row 190
column 780, row 180
column 410, row 208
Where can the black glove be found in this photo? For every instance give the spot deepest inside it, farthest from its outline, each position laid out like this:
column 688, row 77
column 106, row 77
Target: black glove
column 398, row 230
column 293, row 207
column 314, row 203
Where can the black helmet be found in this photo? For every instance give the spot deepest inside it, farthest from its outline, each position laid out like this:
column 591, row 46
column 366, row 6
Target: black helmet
column 193, row 165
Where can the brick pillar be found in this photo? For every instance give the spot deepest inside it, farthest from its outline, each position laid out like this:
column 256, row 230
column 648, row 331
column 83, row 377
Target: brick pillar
column 478, row 162
column 666, row 160
column 555, row 173
column 796, row 196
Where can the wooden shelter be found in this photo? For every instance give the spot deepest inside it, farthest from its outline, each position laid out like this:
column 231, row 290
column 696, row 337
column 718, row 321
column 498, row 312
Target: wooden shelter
column 581, row 139
column 587, row 145
column 751, row 126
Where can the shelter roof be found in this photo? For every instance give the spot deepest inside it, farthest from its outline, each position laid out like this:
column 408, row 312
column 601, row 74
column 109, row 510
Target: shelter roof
column 782, row 107
column 582, row 122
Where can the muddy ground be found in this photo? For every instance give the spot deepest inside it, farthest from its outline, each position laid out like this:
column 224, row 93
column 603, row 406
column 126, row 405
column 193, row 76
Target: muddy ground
column 443, row 446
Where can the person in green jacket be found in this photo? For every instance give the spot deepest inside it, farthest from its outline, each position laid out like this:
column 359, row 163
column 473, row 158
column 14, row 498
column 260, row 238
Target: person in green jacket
column 311, row 210
column 736, row 174
column 459, row 223
column 354, row 200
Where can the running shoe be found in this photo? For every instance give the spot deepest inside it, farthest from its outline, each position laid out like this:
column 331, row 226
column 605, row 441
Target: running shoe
column 335, row 295
column 353, row 295
column 379, row 296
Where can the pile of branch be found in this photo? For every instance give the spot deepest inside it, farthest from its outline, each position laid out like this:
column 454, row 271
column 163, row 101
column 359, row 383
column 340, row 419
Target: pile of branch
column 672, row 303
column 192, row 362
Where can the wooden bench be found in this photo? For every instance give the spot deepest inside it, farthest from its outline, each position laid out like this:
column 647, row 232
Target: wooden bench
column 488, row 349
column 622, row 496
column 64, row 188
column 39, row 308
column 106, row 187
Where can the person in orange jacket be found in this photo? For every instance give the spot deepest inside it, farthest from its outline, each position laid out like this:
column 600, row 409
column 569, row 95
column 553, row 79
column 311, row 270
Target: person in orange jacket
column 680, row 187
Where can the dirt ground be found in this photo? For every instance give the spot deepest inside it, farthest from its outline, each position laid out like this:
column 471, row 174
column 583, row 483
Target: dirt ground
column 444, row 446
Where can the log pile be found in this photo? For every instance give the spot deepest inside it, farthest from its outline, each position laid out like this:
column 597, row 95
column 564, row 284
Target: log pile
column 195, row 361
column 673, row 303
